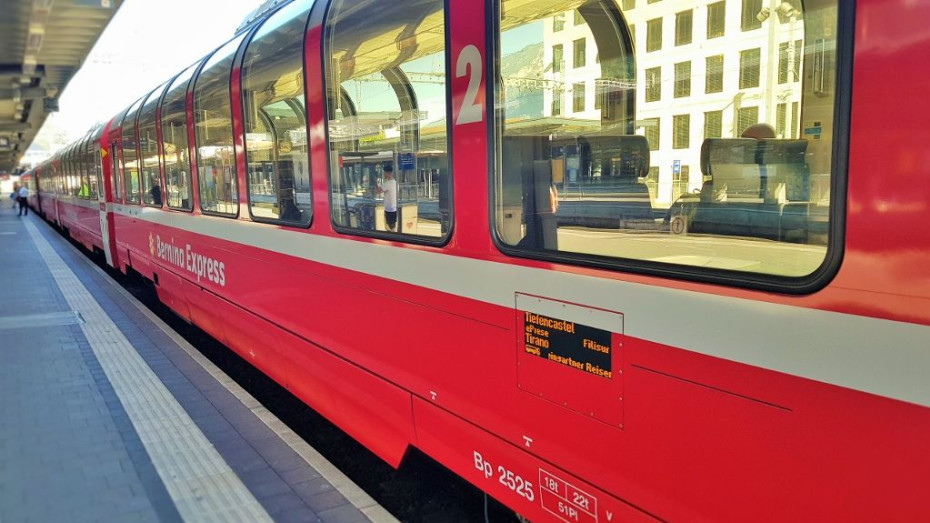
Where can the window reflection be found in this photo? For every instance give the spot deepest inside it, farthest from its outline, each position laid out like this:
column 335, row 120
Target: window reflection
column 275, row 127
column 386, row 88
column 657, row 168
column 175, row 142
column 130, row 162
column 216, row 156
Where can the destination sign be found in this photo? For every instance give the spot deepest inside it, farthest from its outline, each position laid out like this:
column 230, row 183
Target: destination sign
column 581, row 347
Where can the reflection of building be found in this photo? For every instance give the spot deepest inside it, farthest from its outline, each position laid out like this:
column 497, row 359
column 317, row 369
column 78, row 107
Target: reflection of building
column 707, row 71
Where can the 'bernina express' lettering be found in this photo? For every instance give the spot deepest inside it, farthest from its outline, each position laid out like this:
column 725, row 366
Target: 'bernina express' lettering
column 201, row 266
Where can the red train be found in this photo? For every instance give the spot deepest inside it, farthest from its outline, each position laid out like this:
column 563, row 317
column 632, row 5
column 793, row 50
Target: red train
column 607, row 260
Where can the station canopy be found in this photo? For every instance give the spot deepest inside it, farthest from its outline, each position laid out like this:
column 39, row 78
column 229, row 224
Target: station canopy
column 42, row 45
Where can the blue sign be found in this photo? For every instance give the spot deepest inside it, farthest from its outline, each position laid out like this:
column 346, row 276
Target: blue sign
column 676, row 167
column 406, row 161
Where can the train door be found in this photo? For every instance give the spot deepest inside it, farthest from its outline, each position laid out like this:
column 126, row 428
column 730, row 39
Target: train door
column 108, row 244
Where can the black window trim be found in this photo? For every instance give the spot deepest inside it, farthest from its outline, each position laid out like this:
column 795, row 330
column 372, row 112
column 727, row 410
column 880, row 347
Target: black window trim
column 158, row 144
column 320, row 17
column 232, row 124
column 301, row 114
column 122, row 132
column 161, row 143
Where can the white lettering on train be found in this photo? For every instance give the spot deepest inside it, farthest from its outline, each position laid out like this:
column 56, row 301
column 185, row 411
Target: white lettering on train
column 199, row 265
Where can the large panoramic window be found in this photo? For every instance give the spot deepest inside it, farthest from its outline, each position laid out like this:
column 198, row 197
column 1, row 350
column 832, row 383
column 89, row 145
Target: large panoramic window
column 175, row 145
column 130, row 156
column 386, row 93
column 148, row 151
column 216, row 155
column 275, row 127
column 737, row 179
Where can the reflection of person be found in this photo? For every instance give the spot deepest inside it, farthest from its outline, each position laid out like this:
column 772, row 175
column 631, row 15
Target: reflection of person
column 23, row 201
column 389, row 189
column 759, row 131
column 289, row 211
column 155, row 193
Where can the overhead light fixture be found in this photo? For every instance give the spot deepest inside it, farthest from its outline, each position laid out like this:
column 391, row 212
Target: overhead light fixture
column 35, row 38
column 786, row 10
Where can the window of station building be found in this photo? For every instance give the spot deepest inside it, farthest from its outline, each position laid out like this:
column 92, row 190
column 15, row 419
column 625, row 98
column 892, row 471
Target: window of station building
column 610, row 186
column 558, row 58
column 752, row 14
column 578, row 94
column 628, row 4
column 652, row 131
column 713, row 124
column 713, row 80
column 558, row 23
column 716, row 19
column 388, row 127
column 578, row 19
column 277, row 156
column 681, row 131
column 175, row 145
column 148, row 151
column 130, row 163
column 750, row 68
column 683, row 27
column 654, row 34
column 580, row 48
column 746, row 116
column 682, row 79
column 653, row 83
column 213, row 132
column 557, row 95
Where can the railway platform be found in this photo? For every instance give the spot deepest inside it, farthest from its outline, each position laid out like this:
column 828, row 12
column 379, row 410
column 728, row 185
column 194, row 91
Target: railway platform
column 109, row 415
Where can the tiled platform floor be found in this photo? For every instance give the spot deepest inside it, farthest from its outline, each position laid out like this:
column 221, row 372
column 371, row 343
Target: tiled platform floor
column 108, row 415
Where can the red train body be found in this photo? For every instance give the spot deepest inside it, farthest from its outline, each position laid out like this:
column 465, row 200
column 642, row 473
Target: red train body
column 568, row 383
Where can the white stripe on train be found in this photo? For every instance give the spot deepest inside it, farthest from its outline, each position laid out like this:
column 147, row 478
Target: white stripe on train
column 883, row 357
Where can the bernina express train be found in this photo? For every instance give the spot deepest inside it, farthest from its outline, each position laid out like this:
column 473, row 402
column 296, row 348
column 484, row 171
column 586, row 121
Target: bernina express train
column 607, row 260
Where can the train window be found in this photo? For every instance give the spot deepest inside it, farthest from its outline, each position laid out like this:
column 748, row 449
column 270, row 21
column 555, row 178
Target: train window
column 175, row 144
column 92, row 171
column 213, row 131
column 148, row 150
column 275, row 124
column 130, row 158
column 605, row 184
column 386, row 92
column 80, row 155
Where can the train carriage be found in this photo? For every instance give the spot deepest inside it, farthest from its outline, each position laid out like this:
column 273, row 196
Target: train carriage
column 651, row 260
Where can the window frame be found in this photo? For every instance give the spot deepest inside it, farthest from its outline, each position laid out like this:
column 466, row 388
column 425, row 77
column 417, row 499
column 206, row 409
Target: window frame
column 132, row 114
column 162, row 156
column 232, row 126
column 726, row 278
column 243, row 51
column 321, row 18
column 143, row 186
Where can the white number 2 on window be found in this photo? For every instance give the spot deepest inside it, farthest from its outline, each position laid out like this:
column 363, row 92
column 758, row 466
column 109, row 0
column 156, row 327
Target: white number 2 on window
column 469, row 63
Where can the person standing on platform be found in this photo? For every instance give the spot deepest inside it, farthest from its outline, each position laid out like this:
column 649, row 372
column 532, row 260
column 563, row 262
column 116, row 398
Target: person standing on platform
column 23, row 201
column 389, row 189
